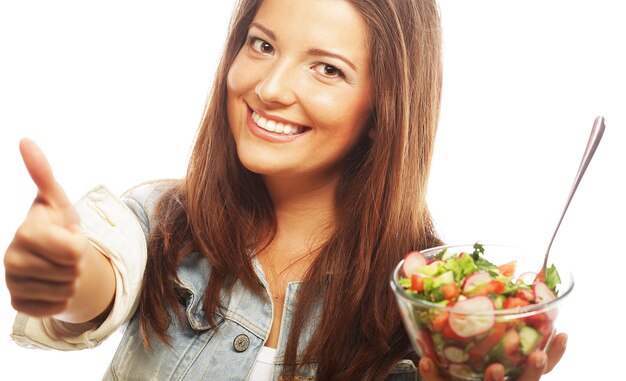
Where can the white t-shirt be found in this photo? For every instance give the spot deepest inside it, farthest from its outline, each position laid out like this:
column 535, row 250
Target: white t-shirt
column 263, row 365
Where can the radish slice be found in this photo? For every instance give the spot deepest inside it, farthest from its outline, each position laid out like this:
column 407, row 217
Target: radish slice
column 455, row 354
column 543, row 294
column 412, row 262
column 460, row 371
column 527, row 277
column 436, row 261
column 476, row 279
column 472, row 316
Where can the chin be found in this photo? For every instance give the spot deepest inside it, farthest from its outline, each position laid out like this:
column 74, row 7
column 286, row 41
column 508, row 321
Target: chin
column 259, row 164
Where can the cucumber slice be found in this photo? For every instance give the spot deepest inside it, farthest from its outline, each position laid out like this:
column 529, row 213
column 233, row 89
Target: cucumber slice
column 529, row 339
column 445, row 278
column 431, row 269
column 498, row 301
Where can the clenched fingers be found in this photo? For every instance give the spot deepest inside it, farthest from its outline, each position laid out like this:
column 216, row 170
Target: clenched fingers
column 53, row 242
column 25, row 264
column 26, row 289
column 38, row 308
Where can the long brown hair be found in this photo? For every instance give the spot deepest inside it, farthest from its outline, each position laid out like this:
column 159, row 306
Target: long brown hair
column 221, row 210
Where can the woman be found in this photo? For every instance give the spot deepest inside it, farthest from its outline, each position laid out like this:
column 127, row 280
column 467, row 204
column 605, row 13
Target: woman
column 305, row 187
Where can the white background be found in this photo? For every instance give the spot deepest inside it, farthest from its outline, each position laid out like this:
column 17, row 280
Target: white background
column 113, row 92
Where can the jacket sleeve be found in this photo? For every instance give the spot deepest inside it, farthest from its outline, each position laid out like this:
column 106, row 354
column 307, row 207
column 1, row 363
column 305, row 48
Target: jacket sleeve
column 119, row 232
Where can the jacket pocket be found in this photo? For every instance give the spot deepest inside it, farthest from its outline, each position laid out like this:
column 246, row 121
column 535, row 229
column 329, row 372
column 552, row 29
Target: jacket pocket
column 194, row 310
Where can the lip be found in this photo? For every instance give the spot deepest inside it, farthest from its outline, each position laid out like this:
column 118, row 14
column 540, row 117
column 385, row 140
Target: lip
column 267, row 135
column 273, row 117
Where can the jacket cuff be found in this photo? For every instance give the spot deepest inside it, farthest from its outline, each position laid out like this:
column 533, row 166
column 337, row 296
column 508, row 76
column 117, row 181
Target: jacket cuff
column 114, row 230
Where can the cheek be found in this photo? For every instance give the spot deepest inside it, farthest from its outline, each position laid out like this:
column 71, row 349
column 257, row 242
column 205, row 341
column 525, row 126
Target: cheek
column 232, row 80
column 346, row 109
column 237, row 82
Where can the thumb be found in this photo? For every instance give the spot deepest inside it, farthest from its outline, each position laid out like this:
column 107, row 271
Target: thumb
column 50, row 191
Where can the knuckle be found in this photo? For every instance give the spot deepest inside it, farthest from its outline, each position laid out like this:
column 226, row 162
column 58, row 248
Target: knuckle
column 73, row 271
column 74, row 250
column 59, row 307
column 12, row 261
column 10, row 284
column 23, row 234
column 18, row 304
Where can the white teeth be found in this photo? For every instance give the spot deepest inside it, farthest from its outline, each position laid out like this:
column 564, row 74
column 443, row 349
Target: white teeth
column 270, row 125
column 276, row 127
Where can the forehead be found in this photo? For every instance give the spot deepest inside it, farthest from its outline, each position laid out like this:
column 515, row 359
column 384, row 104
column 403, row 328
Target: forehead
column 324, row 24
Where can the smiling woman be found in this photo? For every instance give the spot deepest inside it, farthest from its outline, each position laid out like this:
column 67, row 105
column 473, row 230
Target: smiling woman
column 298, row 199
column 305, row 186
column 270, row 258
column 299, row 102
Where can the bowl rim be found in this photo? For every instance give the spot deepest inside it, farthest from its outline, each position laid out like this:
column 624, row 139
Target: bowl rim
column 518, row 312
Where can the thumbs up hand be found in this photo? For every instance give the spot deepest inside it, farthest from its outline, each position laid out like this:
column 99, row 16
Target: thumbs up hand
column 45, row 263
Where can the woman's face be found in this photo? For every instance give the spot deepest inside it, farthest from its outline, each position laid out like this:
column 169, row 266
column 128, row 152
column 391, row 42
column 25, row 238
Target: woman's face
column 299, row 89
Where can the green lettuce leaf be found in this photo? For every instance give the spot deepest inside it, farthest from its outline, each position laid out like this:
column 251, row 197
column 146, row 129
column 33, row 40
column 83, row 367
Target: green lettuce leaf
column 552, row 278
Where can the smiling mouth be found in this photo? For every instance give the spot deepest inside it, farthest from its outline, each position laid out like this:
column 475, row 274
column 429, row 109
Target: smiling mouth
column 277, row 127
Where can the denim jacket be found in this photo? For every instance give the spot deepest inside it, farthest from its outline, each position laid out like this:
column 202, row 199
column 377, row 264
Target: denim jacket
column 196, row 351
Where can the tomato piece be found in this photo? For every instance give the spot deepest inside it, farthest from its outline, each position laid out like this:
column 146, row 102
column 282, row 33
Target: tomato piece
column 493, row 287
column 514, row 302
column 545, row 328
column 524, row 294
column 508, row 269
column 417, row 282
column 511, row 342
column 448, row 333
column 516, row 359
column 425, row 343
column 450, row 291
column 440, row 321
column 481, row 348
column 537, row 320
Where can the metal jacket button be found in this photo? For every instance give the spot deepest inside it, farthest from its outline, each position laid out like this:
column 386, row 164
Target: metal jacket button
column 241, row 343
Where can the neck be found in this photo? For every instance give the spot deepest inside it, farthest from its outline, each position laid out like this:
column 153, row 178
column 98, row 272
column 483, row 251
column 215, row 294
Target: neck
column 304, row 212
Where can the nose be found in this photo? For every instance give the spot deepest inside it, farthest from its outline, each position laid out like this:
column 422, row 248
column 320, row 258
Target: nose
column 277, row 85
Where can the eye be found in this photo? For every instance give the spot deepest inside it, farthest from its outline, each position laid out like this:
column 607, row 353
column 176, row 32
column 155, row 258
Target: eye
column 261, row 46
column 328, row 70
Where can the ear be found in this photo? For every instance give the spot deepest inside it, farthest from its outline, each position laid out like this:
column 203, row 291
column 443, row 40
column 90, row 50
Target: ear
column 371, row 133
column 371, row 125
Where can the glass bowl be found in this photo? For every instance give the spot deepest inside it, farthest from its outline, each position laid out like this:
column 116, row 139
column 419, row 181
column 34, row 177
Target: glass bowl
column 464, row 338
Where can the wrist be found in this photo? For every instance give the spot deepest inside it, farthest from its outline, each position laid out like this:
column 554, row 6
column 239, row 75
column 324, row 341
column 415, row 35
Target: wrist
column 95, row 291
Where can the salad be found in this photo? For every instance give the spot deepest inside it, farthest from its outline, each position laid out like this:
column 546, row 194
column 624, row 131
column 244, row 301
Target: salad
column 470, row 332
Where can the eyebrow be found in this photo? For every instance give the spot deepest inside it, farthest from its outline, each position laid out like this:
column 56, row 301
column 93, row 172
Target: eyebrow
column 264, row 30
column 322, row 52
column 313, row 51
